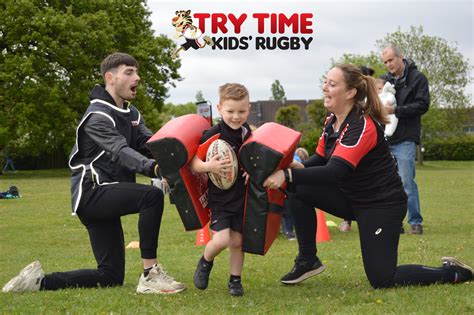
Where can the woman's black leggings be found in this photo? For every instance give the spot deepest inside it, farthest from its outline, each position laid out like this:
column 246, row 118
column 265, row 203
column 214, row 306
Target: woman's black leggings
column 379, row 233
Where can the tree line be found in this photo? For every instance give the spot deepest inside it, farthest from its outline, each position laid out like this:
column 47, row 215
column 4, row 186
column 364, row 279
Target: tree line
column 50, row 56
column 448, row 73
column 50, row 51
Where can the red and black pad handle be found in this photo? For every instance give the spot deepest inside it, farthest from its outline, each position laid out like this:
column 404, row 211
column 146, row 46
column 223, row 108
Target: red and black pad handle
column 173, row 147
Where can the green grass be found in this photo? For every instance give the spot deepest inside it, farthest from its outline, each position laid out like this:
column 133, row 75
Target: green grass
column 40, row 226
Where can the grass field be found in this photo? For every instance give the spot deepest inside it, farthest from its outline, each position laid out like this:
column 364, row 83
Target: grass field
column 39, row 226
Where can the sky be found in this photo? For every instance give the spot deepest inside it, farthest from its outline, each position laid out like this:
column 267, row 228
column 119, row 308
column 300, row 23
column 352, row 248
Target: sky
column 338, row 27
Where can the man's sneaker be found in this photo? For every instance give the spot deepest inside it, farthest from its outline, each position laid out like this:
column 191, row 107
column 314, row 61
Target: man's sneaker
column 416, row 229
column 157, row 281
column 201, row 275
column 303, row 270
column 235, row 288
column 29, row 279
column 345, row 226
column 462, row 272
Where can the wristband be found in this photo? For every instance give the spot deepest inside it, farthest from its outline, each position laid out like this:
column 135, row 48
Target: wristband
column 287, row 175
column 156, row 170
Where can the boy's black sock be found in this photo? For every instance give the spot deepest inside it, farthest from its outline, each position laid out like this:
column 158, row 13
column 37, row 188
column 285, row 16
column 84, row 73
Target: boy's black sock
column 203, row 260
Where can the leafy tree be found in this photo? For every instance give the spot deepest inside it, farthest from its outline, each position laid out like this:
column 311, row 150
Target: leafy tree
column 311, row 130
column 310, row 136
column 447, row 70
column 317, row 113
column 372, row 60
column 278, row 93
column 171, row 111
column 448, row 74
column 50, row 52
column 181, row 109
column 288, row 115
column 199, row 97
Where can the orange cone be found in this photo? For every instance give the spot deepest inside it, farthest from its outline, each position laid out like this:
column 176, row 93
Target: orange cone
column 322, row 232
column 203, row 236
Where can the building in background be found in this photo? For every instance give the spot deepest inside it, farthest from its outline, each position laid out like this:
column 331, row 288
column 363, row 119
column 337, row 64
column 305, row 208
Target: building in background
column 265, row 110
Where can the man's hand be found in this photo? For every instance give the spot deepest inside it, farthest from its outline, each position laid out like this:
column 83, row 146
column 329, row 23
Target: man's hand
column 165, row 187
column 389, row 108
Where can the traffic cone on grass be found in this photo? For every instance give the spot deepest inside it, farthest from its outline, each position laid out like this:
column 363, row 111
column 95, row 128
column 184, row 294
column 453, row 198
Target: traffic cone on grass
column 322, row 232
column 203, row 236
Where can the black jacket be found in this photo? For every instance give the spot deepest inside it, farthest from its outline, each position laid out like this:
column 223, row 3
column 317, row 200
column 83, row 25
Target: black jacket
column 357, row 159
column 413, row 100
column 110, row 145
column 232, row 199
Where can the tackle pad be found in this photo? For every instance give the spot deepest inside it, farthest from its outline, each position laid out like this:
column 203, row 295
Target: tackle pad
column 271, row 147
column 173, row 147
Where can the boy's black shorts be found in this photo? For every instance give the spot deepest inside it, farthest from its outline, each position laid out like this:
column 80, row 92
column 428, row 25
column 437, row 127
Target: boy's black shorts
column 221, row 219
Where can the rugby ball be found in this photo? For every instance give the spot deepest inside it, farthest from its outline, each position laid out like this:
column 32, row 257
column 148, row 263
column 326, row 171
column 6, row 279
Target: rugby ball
column 225, row 151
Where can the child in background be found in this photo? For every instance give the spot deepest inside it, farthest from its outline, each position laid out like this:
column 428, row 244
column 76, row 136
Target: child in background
column 288, row 222
column 387, row 95
column 227, row 206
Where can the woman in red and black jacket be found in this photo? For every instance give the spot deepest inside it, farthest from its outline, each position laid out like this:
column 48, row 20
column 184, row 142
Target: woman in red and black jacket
column 353, row 175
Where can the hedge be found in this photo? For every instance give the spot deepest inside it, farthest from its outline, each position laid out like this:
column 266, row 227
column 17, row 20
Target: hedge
column 459, row 148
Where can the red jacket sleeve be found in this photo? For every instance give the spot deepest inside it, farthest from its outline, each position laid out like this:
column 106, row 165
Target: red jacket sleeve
column 356, row 141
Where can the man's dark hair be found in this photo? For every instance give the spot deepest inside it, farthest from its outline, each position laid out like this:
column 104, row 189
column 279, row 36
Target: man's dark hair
column 367, row 71
column 115, row 60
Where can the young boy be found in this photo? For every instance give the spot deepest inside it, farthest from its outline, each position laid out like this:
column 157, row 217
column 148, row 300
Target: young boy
column 227, row 206
column 288, row 223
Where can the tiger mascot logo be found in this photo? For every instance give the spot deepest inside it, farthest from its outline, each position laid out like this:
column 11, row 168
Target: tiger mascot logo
column 184, row 27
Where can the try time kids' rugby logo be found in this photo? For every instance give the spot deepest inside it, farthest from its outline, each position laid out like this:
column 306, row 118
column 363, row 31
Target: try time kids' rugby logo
column 275, row 25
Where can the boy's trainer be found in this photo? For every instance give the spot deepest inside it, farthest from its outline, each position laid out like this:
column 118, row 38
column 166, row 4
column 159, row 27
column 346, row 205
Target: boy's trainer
column 201, row 275
column 235, row 287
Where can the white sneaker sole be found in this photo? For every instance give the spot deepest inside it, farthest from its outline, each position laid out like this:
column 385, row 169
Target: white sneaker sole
column 154, row 291
column 305, row 276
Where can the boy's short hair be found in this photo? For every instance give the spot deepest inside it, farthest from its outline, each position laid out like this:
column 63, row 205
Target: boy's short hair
column 115, row 60
column 380, row 80
column 232, row 91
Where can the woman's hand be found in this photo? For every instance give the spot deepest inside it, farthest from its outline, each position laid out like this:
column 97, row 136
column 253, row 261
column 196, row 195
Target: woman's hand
column 296, row 164
column 275, row 180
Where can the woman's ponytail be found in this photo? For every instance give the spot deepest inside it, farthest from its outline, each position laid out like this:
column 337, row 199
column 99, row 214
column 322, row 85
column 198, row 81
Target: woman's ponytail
column 374, row 106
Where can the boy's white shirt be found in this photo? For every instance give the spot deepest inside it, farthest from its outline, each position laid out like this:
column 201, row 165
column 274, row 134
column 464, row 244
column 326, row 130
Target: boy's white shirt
column 388, row 95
